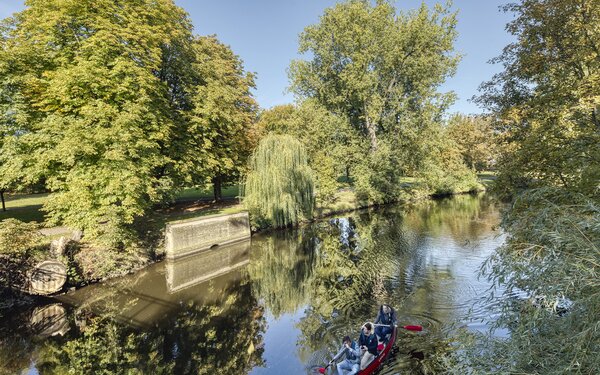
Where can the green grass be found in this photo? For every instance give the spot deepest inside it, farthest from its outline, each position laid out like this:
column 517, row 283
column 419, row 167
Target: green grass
column 345, row 200
column 24, row 207
column 202, row 193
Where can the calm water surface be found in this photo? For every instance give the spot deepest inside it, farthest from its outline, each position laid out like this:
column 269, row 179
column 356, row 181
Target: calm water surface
column 278, row 304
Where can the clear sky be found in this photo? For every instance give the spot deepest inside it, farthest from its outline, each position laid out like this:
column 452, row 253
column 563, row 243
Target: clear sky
column 264, row 33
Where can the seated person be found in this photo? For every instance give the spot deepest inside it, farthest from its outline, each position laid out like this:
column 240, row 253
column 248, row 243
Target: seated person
column 351, row 362
column 368, row 345
column 386, row 317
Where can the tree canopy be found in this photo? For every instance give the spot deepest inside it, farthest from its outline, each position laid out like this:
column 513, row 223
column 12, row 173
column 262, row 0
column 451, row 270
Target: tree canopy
column 378, row 69
column 116, row 106
column 545, row 106
column 222, row 117
column 546, row 102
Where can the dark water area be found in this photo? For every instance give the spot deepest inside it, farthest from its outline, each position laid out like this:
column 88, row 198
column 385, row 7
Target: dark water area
column 278, row 304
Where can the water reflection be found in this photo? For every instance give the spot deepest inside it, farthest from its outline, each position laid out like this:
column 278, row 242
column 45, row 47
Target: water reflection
column 277, row 305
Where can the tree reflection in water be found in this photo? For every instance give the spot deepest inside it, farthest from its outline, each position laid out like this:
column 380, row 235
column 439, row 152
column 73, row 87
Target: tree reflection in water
column 330, row 276
column 198, row 338
column 366, row 258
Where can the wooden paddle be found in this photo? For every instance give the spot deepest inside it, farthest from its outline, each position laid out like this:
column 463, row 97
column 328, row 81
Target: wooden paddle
column 410, row 328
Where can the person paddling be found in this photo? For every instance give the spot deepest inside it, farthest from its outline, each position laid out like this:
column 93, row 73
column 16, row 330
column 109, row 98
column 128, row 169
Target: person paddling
column 350, row 363
column 368, row 345
column 386, row 317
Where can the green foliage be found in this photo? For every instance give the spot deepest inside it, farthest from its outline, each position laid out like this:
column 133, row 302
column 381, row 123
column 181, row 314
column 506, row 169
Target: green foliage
column 277, row 119
column 326, row 184
column 442, row 170
column 115, row 107
column 379, row 71
column 93, row 92
column 17, row 239
column 279, row 186
column 545, row 105
column 546, row 102
column 96, row 263
column 331, row 143
column 375, row 68
column 222, row 115
column 377, row 179
column 474, row 137
column 552, row 255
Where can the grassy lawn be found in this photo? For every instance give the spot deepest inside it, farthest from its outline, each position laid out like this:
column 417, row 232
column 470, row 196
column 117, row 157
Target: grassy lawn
column 199, row 193
column 24, row 207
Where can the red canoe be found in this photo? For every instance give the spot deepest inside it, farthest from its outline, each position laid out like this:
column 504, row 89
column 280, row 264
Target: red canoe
column 377, row 363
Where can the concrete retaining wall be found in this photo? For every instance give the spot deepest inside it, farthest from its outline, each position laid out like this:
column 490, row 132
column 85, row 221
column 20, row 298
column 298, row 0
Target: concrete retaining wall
column 190, row 236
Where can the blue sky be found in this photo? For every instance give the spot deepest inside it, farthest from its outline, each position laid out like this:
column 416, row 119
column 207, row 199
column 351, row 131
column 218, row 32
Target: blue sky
column 264, row 33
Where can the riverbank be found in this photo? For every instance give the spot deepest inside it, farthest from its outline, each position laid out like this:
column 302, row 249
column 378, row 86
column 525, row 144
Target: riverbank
column 287, row 284
column 192, row 203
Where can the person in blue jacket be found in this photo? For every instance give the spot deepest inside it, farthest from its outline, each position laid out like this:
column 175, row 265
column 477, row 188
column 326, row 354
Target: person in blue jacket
column 368, row 345
column 351, row 362
column 386, row 317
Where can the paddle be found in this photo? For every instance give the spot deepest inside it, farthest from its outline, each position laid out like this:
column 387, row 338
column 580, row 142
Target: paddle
column 323, row 369
column 410, row 328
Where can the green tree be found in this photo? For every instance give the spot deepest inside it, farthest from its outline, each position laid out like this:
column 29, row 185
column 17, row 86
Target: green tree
column 277, row 119
column 279, row 186
column 546, row 106
column 92, row 92
column 546, row 102
column 223, row 114
column 379, row 70
column 331, row 143
column 475, row 139
column 442, row 169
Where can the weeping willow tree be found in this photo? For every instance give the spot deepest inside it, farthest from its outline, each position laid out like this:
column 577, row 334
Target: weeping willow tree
column 279, row 188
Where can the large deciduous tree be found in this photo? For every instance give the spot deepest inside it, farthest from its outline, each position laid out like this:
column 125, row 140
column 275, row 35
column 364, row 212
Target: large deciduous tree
column 378, row 69
column 224, row 110
column 547, row 99
column 115, row 105
column 96, row 91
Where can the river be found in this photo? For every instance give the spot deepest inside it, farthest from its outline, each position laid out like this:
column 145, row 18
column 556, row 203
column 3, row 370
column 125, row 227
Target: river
column 278, row 304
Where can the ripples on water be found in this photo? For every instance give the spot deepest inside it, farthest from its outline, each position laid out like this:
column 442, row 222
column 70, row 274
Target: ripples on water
column 282, row 304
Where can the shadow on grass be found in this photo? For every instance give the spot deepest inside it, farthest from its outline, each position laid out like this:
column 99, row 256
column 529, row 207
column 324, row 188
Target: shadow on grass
column 25, row 213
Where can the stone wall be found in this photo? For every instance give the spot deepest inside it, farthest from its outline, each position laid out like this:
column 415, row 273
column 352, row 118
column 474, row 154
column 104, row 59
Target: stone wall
column 190, row 236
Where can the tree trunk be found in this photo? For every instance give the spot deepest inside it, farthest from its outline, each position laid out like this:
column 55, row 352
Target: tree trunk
column 2, row 198
column 217, row 188
column 372, row 135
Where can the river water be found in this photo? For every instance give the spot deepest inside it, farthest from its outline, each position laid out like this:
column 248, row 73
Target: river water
column 278, row 304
